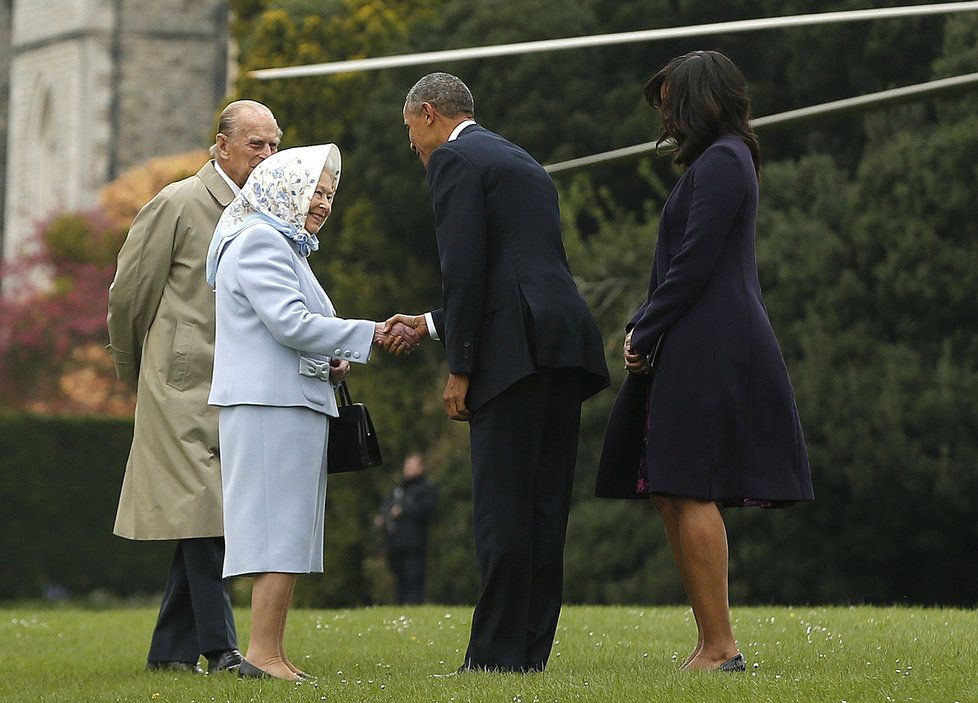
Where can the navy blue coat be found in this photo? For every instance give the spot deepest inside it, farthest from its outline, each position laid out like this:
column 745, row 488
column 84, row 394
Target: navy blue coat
column 510, row 305
column 718, row 419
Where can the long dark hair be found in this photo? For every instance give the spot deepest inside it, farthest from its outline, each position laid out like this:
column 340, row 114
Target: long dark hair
column 705, row 96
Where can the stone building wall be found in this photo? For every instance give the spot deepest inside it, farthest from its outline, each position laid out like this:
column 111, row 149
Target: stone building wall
column 5, row 30
column 59, row 93
column 97, row 86
column 173, row 76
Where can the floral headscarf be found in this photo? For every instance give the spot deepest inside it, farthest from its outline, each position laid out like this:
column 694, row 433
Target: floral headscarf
column 278, row 193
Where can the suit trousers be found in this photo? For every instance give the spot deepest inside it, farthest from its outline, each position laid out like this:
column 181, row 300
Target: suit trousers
column 195, row 615
column 524, row 448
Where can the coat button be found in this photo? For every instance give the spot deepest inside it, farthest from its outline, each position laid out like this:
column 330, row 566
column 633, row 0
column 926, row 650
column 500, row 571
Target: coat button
column 356, row 355
column 466, row 345
column 337, row 352
column 348, row 353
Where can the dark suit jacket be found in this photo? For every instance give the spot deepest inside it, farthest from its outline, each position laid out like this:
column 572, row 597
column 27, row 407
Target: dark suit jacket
column 510, row 305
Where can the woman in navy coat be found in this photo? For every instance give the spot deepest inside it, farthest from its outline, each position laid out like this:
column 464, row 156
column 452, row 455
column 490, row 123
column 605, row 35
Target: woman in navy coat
column 706, row 417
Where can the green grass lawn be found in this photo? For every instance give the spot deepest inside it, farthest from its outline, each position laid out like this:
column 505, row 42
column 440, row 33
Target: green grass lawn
column 601, row 654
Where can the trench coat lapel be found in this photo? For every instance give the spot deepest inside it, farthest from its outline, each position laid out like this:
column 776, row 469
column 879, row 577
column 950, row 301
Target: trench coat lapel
column 216, row 185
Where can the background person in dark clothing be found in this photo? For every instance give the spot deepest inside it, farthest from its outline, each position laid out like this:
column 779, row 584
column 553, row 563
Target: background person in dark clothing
column 404, row 517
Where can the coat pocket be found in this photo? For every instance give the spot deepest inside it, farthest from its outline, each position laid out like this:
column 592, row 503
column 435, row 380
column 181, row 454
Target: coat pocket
column 178, row 375
column 317, row 391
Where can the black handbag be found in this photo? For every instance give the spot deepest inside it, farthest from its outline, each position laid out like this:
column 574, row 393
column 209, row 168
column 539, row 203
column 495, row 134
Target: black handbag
column 653, row 358
column 353, row 442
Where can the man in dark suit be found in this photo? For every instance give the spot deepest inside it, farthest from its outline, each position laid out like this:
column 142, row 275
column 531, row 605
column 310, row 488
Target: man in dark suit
column 523, row 354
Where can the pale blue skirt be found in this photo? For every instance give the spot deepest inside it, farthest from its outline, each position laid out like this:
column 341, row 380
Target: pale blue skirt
column 273, row 468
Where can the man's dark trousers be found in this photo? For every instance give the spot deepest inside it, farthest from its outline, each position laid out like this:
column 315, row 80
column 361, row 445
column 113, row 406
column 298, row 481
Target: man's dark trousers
column 195, row 615
column 408, row 566
column 524, row 447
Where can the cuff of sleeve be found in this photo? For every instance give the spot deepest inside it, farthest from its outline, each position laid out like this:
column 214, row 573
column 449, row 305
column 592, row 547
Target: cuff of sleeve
column 363, row 343
column 432, row 332
column 125, row 367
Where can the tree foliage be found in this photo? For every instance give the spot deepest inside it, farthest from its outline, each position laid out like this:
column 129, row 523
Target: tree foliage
column 51, row 327
column 52, row 331
column 864, row 247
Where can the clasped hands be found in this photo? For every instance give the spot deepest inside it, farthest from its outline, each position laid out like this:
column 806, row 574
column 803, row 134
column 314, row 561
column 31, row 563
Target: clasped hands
column 635, row 363
column 401, row 334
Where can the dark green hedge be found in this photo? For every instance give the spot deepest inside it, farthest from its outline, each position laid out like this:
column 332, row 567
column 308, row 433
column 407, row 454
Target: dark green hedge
column 59, row 487
column 896, row 532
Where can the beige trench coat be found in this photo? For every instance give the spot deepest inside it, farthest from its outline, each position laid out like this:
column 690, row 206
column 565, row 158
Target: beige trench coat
column 161, row 335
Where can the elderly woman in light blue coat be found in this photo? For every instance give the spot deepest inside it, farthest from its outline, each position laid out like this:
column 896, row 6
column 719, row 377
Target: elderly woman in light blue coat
column 279, row 349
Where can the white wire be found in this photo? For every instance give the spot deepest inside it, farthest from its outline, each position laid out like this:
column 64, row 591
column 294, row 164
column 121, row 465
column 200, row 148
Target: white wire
column 374, row 64
column 861, row 102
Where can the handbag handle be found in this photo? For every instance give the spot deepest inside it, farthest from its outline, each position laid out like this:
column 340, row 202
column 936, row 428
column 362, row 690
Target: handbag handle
column 343, row 392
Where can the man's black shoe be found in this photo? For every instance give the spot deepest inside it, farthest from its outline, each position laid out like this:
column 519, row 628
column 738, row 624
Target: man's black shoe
column 188, row 667
column 228, row 660
column 470, row 668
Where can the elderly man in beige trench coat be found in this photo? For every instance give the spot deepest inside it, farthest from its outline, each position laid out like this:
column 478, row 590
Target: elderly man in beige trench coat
column 161, row 334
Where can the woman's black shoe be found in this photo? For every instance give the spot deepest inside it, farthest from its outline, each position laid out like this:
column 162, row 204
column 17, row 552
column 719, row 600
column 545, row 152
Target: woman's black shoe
column 247, row 670
column 737, row 663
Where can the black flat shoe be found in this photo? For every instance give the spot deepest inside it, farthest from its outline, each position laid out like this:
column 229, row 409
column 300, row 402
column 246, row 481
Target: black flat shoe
column 737, row 663
column 228, row 660
column 184, row 667
column 247, row 670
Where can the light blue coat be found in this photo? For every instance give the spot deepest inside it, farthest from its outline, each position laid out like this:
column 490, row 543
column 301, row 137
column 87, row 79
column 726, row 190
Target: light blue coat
column 273, row 317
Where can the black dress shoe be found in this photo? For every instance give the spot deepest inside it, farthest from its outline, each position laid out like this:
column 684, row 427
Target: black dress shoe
column 188, row 667
column 228, row 660
column 460, row 670
column 737, row 663
column 247, row 670
column 493, row 669
column 464, row 669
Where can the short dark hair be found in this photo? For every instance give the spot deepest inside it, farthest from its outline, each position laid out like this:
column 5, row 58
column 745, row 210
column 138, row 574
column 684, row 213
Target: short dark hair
column 705, row 96
column 447, row 93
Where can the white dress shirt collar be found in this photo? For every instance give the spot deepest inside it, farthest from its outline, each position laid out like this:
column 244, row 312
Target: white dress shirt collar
column 458, row 129
column 227, row 179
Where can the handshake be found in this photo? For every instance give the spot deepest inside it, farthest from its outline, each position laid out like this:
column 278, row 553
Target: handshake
column 401, row 334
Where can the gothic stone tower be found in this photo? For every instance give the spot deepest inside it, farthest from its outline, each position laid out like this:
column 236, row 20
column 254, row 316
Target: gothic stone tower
column 96, row 86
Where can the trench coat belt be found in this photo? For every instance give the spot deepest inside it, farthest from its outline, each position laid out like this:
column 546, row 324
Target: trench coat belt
column 313, row 368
